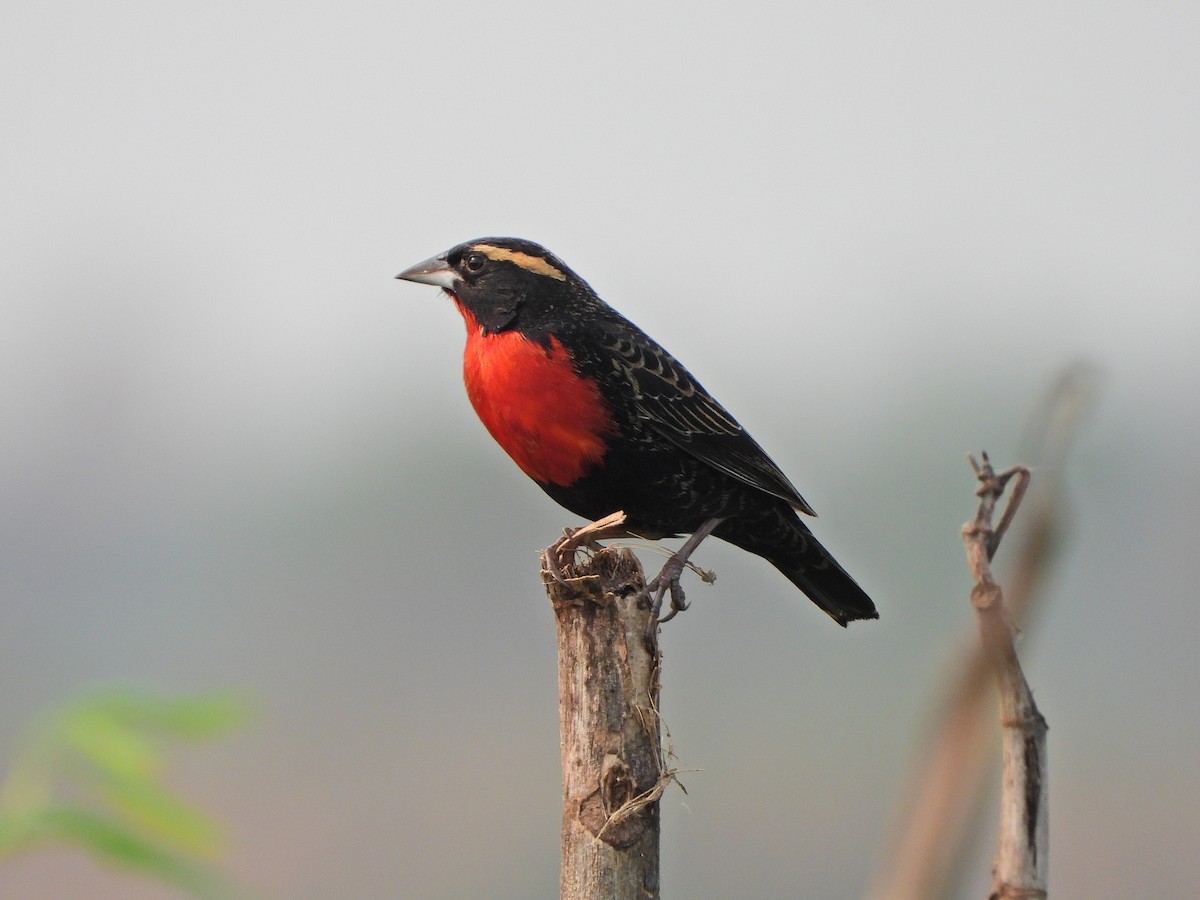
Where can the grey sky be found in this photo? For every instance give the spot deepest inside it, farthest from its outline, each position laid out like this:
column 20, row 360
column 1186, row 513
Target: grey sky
column 237, row 452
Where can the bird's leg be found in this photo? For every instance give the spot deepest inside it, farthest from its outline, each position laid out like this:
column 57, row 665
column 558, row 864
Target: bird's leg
column 558, row 556
column 668, row 578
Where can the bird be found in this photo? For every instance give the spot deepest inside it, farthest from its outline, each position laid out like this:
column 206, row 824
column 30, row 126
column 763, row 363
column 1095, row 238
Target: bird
column 603, row 419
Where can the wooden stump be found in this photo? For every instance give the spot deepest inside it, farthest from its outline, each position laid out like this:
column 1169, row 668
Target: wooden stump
column 612, row 761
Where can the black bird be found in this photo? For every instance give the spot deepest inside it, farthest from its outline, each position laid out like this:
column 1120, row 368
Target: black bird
column 605, row 419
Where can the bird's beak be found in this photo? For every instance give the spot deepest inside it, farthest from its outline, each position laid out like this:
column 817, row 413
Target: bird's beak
column 434, row 271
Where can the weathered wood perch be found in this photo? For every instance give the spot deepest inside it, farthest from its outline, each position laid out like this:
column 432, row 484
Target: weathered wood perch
column 1021, row 864
column 613, row 770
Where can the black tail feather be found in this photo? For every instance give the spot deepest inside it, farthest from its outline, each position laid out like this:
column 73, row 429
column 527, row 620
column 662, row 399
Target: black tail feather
column 778, row 535
column 831, row 588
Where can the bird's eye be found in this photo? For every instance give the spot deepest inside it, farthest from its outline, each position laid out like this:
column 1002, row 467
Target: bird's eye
column 474, row 261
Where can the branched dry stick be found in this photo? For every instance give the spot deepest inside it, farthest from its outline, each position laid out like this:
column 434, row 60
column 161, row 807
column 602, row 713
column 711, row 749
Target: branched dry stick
column 1020, row 866
column 927, row 855
column 1019, row 870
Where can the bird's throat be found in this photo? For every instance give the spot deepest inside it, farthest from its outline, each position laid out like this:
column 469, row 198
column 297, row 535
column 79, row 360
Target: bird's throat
column 551, row 420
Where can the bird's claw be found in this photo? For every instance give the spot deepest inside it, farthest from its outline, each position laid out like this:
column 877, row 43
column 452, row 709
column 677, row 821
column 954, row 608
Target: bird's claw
column 667, row 581
column 559, row 555
column 552, row 562
column 678, row 603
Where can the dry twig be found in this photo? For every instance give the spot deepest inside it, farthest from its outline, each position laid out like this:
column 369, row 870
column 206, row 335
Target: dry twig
column 928, row 844
column 1020, row 866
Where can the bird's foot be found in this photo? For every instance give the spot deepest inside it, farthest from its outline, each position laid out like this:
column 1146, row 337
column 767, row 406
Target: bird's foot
column 667, row 581
column 558, row 556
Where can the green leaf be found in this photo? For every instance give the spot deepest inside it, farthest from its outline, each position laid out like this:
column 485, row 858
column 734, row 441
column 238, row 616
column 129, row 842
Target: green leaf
column 202, row 716
column 118, row 844
column 107, row 746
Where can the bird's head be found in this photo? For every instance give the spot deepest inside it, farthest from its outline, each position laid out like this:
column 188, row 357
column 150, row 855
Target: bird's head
column 500, row 281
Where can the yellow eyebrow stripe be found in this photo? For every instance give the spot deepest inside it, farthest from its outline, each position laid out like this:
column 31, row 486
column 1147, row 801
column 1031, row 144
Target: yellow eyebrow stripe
column 529, row 263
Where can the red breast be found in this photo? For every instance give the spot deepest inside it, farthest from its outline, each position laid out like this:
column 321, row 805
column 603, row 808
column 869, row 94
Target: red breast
column 550, row 419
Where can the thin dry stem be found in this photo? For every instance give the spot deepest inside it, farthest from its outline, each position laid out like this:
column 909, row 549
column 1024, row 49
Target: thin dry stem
column 1020, row 865
column 944, row 801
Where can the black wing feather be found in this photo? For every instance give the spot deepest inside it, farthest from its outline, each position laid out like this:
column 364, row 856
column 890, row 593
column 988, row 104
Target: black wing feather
column 678, row 408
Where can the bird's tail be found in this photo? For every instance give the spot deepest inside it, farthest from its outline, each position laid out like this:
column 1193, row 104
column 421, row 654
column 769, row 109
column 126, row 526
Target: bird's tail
column 830, row 587
column 785, row 542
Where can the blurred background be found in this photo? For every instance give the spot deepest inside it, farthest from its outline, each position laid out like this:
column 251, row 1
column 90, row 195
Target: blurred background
column 235, row 453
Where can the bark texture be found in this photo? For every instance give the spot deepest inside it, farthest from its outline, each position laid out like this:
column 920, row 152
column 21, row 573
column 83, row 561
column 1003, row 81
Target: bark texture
column 612, row 761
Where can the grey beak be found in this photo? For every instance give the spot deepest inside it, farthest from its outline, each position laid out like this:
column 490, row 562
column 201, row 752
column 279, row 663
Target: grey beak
column 434, row 271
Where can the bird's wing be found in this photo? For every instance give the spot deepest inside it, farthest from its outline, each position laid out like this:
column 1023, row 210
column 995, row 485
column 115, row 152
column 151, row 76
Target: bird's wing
column 676, row 406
